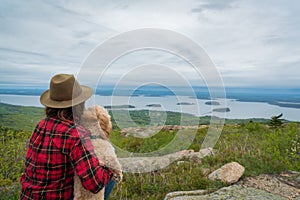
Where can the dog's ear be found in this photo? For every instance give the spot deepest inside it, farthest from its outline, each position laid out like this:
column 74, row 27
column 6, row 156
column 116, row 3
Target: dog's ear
column 104, row 120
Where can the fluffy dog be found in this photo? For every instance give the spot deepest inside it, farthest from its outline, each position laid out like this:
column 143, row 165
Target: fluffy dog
column 97, row 120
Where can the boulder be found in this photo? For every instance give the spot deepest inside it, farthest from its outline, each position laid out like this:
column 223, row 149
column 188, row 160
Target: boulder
column 207, row 152
column 229, row 173
column 197, row 156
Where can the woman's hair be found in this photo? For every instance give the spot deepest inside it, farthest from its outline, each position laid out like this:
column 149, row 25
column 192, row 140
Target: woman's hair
column 64, row 114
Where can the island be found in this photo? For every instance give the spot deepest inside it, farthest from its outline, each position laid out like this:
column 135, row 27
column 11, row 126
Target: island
column 214, row 103
column 185, row 103
column 221, row 109
column 119, row 106
column 154, row 105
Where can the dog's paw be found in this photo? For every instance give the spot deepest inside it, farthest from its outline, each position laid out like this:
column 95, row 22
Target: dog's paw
column 118, row 177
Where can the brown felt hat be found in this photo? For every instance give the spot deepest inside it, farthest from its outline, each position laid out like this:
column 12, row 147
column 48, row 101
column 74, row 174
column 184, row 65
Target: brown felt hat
column 65, row 92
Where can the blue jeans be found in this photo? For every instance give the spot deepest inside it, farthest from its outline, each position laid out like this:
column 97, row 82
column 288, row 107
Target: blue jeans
column 108, row 188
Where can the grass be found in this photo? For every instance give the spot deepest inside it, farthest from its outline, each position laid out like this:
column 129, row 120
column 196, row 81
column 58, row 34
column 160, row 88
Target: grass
column 259, row 148
column 156, row 184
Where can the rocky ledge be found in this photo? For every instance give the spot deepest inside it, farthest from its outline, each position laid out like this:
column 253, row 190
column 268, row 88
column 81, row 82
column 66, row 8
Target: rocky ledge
column 235, row 192
column 266, row 186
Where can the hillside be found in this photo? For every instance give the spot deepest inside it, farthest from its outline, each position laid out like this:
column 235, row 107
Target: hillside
column 25, row 118
column 256, row 146
column 20, row 117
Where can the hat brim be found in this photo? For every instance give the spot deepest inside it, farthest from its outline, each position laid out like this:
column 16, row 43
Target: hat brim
column 86, row 93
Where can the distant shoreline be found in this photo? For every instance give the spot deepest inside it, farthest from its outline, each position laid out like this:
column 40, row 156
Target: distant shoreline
column 241, row 107
column 291, row 104
column 126, row 107
column 254, row 119
column 285, row 103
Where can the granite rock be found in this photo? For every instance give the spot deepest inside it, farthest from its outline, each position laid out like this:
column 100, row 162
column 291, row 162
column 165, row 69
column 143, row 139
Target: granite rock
column 229, row 173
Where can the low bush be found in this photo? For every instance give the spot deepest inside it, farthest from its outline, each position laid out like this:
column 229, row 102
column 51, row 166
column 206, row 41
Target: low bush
column 258, row 147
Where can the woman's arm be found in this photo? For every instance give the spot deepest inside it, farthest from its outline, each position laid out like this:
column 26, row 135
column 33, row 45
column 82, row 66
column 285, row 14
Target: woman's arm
column 87, row 167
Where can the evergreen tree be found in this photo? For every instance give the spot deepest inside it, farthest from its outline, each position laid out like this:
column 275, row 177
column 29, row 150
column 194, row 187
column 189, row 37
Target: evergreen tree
column 275, row 121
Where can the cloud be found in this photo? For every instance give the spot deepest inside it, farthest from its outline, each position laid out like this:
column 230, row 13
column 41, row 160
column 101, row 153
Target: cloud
column 213, row 5
column 252, row 43
column 251, row 33
column 44, row 36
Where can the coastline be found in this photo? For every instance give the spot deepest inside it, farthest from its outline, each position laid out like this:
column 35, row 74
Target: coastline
column 239, row 109
column 276, row 100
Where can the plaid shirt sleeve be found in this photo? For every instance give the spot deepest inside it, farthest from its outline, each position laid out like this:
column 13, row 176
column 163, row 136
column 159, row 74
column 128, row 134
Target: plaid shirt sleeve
column 86, row 165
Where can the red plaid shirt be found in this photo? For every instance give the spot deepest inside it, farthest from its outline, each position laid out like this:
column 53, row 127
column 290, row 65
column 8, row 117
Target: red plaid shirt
column 56, row 151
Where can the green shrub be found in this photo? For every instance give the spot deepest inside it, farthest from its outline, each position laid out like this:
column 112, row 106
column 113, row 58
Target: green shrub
column 10, row 192
column 13, row 146
column 259, row 148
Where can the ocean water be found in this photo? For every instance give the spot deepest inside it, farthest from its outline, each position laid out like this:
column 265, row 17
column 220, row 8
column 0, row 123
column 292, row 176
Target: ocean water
column 238, row 109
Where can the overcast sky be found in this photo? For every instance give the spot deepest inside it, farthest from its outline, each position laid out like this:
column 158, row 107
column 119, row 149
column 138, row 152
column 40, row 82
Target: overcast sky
column 253, row 43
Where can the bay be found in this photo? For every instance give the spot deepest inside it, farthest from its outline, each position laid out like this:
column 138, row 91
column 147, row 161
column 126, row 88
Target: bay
column 184, row 104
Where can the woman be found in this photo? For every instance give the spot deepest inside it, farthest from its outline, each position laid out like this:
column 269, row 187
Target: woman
column 59, row 147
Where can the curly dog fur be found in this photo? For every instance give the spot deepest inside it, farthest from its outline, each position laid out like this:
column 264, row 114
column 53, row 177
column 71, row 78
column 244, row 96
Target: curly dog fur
column 97, row 120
